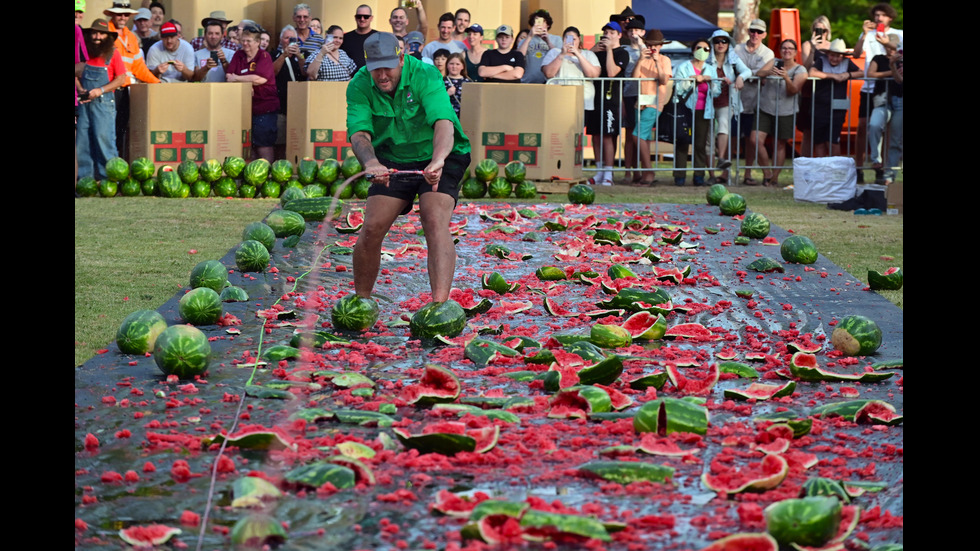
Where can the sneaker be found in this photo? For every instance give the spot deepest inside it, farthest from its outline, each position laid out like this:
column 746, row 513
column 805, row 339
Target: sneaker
column 678, row 181
column 699, row 181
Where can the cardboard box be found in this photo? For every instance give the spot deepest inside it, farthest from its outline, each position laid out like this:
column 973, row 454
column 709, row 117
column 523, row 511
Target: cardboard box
column 176, row 122
column 316, row 125
column 896, row 198
column 537, row 124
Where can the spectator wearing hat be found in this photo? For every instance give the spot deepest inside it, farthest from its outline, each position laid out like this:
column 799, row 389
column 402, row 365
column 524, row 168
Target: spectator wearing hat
column 399, row 117
column 603, row 122
column 652, row 98
column 130, row 50
column 536, row 45
column 830, row 102
column 81, row 52
column 445, row 40
column 211, row 61
column 760, row 60
column 254, row 65
column 104, row 72
column 635, row 31
column 198, row 43
column 171, row 59
column 872, row 43
column 503, row 64
column 413, row 44
column 143, row 28
column 731, row 72
column 399, row 20
column 354, row 40
column 474, row 51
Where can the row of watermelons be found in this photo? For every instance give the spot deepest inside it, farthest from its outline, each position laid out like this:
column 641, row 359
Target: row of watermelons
column 486, row 181
column 233, row 178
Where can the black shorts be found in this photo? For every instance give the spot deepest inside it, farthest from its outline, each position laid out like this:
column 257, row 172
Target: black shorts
column 746, row 124
column 864, row 111
column 408, row 187
column 629, row 111
column 827, row 126
column 603, row 120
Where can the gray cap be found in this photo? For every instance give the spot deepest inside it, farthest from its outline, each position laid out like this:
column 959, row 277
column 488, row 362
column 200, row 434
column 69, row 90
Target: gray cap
column 414, row 37
column 758, row 25
column 143, row 13
column 381, row 51
column 505, row 29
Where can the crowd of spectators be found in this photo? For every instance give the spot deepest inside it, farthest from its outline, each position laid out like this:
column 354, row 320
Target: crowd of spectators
column 744, row 90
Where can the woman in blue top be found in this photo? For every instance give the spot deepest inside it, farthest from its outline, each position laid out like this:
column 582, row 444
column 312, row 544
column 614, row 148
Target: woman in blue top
column 695, row 85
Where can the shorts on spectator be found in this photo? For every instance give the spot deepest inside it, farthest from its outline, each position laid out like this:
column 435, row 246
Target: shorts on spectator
column 603, row 120
column 410, row 186
column 866, row 107
column 629, row 111
column 824, row 129
column 746, row 124
column 281, row 129
column 648, row 121
column 264, row 129
column 767, row 124
column 723, row 120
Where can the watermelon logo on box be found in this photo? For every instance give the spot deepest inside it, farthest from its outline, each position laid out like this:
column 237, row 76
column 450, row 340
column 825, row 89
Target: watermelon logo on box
column 329, row 144
column 169, row 146
column 504, row 148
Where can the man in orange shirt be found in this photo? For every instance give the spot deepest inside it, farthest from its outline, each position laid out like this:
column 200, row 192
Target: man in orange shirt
column 129, row 47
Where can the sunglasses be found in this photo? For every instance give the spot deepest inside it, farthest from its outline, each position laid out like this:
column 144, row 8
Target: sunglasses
column 704, row 49
column 719, row 41
column 361, row 16
column 756, row 31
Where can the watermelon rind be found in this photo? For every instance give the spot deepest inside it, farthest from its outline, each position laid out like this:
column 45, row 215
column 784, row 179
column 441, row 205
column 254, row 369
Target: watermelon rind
column 150, row 535
column 438, row 318
column 200, row 306
column 355, row 313
column 438, row 384
column 209, row 273
column 809, row 521
column 252, row 256
column 856, row 335
column 799, row 249
column 891, row 280
column 760, row 391
column 258, row 530
column 541, row 525
column 678, row 416
column 182, row 350
column 610, row 336
column 260, row 232
column 139, row 331
column 581, row 194
column 233, row 294
column 626, row 472
column 744, row 541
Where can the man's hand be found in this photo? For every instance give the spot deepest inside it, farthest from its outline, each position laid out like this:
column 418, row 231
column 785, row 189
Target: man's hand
column 379, row 173
column 178, row 65
column 292, row 49
column 433, row 173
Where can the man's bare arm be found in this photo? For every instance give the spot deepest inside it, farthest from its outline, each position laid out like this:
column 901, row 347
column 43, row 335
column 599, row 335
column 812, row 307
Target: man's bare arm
column 364, row 151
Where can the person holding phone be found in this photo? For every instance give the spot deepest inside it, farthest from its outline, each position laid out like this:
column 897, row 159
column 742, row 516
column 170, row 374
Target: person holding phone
column 537, row 45
column 171, row 59
column 777, row 105
column 212, row 60
column 331, row 62
column 871, row 43
column 652, row 98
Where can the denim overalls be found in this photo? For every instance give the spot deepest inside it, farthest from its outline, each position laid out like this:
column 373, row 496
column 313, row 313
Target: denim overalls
column 95, row 139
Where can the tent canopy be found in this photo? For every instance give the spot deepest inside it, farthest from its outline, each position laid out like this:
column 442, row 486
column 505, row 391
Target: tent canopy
column 676, row 21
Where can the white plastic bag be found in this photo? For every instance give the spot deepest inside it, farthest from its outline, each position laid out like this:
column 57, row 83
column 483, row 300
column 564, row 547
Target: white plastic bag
column 824, row 179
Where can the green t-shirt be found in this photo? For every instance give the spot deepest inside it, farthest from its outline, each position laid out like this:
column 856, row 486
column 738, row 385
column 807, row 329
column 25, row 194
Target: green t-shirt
column 401, row 126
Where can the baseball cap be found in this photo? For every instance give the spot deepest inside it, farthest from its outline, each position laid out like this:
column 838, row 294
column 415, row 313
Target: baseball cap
column 505, row 29
column 168, row 29
column 613, row 25
column 143, row 13
column 758, row 24
column 414, row 37
column 381, row 51
column 474, row 28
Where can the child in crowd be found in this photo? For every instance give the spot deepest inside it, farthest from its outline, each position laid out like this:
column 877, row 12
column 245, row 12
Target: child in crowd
column 439, row 59
column 455, row 77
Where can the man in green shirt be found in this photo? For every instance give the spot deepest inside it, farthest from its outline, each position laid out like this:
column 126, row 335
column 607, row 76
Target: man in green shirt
column 399, row 118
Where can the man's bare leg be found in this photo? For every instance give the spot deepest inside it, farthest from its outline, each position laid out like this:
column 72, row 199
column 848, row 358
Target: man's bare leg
column 379, row 215
column 437, row 210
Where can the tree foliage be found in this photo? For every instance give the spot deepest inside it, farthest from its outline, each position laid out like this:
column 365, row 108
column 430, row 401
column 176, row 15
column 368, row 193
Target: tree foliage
column 846, row 18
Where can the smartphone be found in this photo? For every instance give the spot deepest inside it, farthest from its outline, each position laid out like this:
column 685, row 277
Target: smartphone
column 570, row 39
column 294, row 40
column 780, row 63
column 214, row 57
column 84, row 96
column 881, row 28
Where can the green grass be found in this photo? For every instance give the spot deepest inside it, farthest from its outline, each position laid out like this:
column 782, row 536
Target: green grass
column 134, row 253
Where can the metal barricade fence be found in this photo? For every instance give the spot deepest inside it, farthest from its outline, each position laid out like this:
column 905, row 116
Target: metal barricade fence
column 836, row 116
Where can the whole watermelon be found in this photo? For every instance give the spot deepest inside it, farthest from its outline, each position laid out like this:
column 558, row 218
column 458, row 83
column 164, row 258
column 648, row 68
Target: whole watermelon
column 200, row 188
column 500, row 188
column 209, row 273
column 810, row 521
column 200, row 306
column 247, row 191
column 346, row 193
column 225, row 187
column 233, row 294
column 168, row 182
column 183, row 351
column 129, row 187
column 210, row 171
column 185, row 191
column 291, row 193
column 486, row 170
column 316, row 189
column 108, row 188
column 438, row 318
column 515, row 172
column 116, row 169
column 798, row 248
column 856, row 336
column 142, row 169
column 286, row 222
column 281, row 171
column 150, row 186
column 188, row 172
column 139, row 331
column 256, row 173
column 233, row 166
column 252, row 256
column 526, row 190
column 473, row 189
column 306, row 171
column 350, row 166
column 715, row 193
column 755, row 226
column 272, row 189
column 362, row 188
column 328, row 171
column 260, row 232
column 581, row 194
column 87, row 187
column 355, row 313
column 732, row 204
